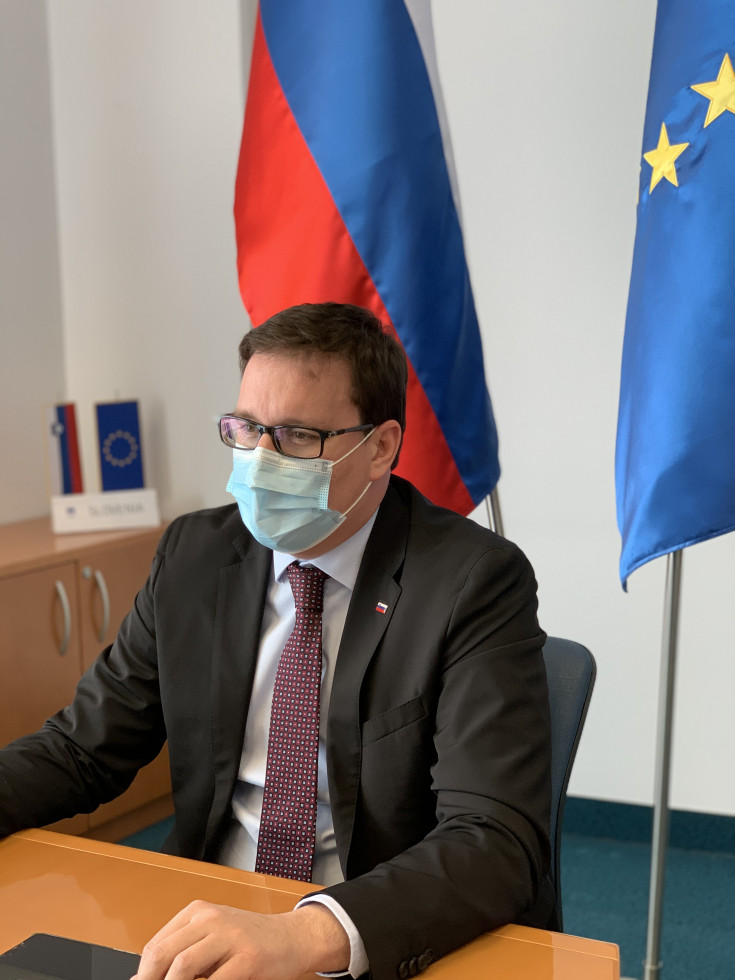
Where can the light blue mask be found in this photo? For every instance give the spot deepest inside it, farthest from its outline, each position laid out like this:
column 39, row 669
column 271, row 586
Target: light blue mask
column 284, row 501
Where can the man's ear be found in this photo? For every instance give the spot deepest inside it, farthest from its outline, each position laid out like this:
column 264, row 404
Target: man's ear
column 387, row 441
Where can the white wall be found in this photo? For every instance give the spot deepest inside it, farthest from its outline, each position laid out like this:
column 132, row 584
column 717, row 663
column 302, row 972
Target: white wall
column 148, row 102
column 31, row 341
column 546, row 104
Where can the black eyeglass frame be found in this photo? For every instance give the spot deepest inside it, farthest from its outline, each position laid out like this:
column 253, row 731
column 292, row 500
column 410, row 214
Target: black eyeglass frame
column 272, row 430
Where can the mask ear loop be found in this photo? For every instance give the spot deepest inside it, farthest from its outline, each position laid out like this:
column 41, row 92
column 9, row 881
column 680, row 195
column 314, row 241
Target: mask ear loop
column 346, row 512
column 360, row 443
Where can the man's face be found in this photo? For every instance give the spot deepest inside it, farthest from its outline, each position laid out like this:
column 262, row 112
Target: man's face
column 312, row 390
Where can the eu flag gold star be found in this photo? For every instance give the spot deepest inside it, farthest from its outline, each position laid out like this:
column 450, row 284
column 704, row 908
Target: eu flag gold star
column 721, row 94
column 662, row 158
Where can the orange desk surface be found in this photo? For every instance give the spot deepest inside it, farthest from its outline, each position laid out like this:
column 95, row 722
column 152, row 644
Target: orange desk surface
column 119, row 896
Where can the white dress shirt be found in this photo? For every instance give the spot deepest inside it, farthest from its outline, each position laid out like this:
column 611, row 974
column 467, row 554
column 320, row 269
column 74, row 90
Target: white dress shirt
column 239, row 848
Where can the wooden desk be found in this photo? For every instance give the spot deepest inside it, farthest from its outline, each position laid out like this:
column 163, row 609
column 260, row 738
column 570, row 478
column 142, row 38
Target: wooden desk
column 119, row 896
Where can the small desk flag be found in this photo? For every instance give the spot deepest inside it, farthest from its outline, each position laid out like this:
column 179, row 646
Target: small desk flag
column 344, row 192
column 65, row 470
column 121, row 459
column 675, row 455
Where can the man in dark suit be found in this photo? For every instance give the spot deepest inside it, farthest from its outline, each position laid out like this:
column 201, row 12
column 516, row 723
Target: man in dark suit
column 433, row 791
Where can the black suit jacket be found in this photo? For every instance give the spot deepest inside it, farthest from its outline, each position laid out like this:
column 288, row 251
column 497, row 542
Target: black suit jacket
column 438, row 731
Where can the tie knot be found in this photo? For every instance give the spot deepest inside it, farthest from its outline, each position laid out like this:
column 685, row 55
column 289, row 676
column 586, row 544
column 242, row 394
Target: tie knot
column 307, row 585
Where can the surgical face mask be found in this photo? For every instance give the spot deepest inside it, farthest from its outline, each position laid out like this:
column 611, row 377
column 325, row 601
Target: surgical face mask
column 284, row 501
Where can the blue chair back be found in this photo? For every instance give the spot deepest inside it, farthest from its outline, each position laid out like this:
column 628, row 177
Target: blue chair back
column 570, row 672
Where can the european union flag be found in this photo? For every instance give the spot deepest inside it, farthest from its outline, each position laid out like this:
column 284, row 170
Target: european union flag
column 675, row 455
column 121, row 457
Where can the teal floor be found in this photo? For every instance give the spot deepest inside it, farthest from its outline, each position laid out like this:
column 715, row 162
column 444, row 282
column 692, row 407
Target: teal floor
column 606, row 897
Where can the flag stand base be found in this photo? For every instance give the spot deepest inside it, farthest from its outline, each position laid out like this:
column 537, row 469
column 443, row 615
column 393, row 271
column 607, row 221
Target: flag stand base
column 112, row 510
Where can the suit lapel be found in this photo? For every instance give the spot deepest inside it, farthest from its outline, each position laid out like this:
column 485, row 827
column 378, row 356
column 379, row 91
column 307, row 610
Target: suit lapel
column 377, row 586
column 241, row 598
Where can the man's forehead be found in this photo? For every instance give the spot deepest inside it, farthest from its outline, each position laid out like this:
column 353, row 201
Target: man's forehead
column 297, row 388
column 311, row 365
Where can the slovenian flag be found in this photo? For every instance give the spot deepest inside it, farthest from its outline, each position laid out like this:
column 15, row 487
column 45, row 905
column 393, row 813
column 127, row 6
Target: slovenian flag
column 65, row 469
column 344, row 192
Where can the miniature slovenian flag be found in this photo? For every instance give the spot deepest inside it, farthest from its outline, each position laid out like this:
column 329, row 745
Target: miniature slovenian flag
column 65, row 468
column 121, row 459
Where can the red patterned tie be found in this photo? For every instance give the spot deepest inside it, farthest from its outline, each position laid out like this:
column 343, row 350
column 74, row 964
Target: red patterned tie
column 288, row 821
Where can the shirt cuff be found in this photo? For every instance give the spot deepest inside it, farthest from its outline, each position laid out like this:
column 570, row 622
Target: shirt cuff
column 358, row 957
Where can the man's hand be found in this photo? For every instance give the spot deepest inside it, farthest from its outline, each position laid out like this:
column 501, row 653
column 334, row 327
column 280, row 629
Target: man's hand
column 224, row 943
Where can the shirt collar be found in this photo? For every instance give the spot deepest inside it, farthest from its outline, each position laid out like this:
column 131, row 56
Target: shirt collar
column 341, row 563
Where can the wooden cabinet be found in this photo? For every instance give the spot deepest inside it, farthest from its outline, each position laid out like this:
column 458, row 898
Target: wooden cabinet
column 62, row 599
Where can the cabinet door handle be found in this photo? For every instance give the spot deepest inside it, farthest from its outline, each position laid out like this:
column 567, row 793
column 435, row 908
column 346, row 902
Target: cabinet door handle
column 99, row 579
column 66, row 610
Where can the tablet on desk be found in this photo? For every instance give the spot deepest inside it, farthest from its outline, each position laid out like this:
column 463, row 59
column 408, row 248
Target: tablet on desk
column 45, row 957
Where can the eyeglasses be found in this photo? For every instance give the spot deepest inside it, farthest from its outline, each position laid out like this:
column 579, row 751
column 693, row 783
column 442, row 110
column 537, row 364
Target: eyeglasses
column 297, row 441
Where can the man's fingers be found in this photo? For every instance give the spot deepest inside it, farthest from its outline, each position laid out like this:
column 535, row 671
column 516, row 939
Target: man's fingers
column 222, row 943
column 181, row 919
column 180, row 948
column 200, row 959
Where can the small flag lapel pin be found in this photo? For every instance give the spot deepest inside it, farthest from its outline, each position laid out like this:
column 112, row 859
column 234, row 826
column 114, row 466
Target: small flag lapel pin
column 382, row 607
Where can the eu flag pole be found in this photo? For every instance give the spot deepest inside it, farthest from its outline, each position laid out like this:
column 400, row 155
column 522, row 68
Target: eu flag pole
column 675, row 454
column 344, row 193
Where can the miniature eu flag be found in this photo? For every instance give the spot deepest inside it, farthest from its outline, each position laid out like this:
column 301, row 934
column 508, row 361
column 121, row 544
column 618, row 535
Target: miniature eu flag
column 121, row 458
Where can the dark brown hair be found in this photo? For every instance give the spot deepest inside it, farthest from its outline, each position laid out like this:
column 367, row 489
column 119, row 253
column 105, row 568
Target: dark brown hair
column 377, row 362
